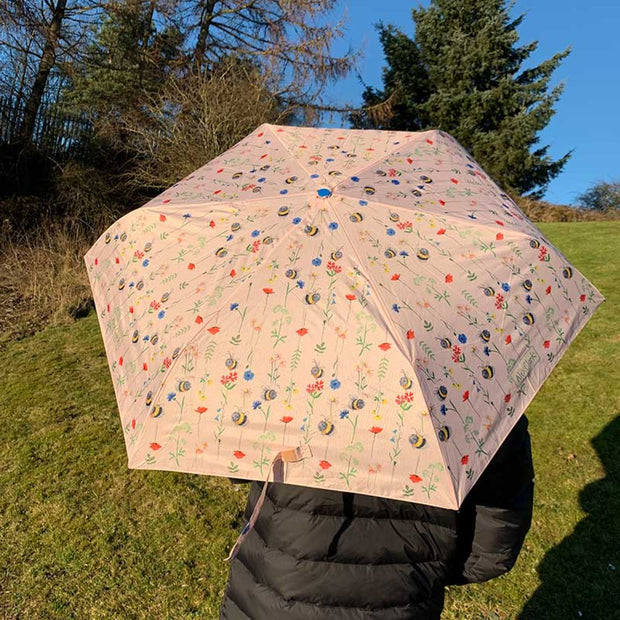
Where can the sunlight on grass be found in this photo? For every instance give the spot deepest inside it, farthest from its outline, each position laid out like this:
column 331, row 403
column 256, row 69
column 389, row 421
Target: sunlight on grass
column 82, row 536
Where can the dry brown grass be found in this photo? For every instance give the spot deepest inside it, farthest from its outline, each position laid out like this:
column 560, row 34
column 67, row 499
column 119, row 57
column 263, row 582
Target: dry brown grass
column 42, row 277
column 541, row 211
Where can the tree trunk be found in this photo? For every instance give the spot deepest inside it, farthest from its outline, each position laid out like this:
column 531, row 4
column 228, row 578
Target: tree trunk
column 205, row 23
column 48, row 58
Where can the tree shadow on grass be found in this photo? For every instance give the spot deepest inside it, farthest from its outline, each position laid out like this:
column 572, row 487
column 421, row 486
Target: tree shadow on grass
column 581, row 576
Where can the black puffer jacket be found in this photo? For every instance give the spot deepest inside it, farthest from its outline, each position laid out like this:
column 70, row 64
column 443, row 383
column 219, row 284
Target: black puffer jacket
column 315, row 554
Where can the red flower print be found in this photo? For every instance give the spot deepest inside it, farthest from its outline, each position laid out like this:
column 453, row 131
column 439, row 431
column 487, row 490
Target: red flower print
column 130, row 309
column 108, row 307
column 167, row 362
column 442, row 203
column 286, row 419
column 415, row 478
column 395, row 277
column 350, row 297
column 542, row 253
column 155, row 446
column 546, row 344
column 508, row 339
column 582, row 298
column 145, row 366
column 133, row 423
column 162, row 217
column 198, row 320
column 384, row 346
column 238, row 454
column 213, row 330
column 465, row 459
column 429, row 141
column 410, row 334
column 499, row 223
column 449, row 278
column 456, row 353
column 499, row 300
column 548, row 290
column 233, row 273
column 302, row 331
column 120, row 360
column 268, row 291
column 441, row 231
column 200, row 409
column 465, row 395
column 117, row 260
column 212, row 224
column 455, row 181
column 499, row 236
column 325, row 464
column 255, row 245
column 191, row 266
column 507, row 398
column 375, row 430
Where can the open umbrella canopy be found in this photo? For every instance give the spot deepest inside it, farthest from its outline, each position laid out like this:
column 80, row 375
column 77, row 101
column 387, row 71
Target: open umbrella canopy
column 370, row 298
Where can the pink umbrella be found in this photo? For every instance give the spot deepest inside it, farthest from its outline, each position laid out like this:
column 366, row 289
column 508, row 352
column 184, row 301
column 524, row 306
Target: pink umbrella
column 365, row 309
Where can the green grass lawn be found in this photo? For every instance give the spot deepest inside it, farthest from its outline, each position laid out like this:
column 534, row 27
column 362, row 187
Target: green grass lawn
column 83, row 536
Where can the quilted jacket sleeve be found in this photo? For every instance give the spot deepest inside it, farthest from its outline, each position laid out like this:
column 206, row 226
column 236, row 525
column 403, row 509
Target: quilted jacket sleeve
column 497, row 514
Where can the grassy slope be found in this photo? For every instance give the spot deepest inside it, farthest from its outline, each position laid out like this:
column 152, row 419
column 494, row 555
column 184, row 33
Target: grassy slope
column 83, row 536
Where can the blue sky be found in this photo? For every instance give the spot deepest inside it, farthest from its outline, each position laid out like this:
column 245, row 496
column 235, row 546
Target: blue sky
column 587, row 118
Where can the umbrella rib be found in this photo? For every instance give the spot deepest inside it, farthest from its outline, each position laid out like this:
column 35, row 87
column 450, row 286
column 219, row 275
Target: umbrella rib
column 297, row 160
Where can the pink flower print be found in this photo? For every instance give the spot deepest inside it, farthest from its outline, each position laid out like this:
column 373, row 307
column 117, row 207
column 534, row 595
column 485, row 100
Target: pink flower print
column 542, row 254
column 456, row 353
column 499, row 301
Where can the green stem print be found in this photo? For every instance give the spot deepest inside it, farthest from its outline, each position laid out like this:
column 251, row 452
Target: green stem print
column 431, row 477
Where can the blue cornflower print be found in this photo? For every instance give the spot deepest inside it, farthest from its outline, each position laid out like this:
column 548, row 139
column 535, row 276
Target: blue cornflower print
column 334, row 384
column 505, row 287
column 390, row 232
column 344, row 413
column 161, row 314
column 396, row 308
column 296, row 220
column 333, row 225
column 487, row 351
column 255, row 233
column 145, row 262
column 316, row 261
column 301, row 283
column 171, row 396
column 187, row 216
column 462, row 338
column 248, row 375
column 443, row 409
column 256, row 404
column 234, row 306
column 528, row 298
column 403, row 253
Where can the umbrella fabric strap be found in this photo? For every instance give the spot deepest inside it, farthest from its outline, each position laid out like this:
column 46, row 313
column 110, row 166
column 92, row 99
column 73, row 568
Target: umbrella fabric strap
column 292, row 455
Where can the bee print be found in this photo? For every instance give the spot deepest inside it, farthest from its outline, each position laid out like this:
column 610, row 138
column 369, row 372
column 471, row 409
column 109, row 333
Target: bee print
column 154, row 339
column 107, row 238
column 369, row 190
column 310, row 230
column 444, row 433
column 406, row 382
column 148, row 246
column 176, row 352
column 356, row 217
column 527, row 285
column 487, row 372
column 239, row 418
column 357, row 404
column 231, row 363
column 312, row 298
column 528, row 318
column 442, row 392
column 235, row 226
column 165, row 297
column 336, row 255
column 121, row 284
column 534, row 243
column 316, row 371
column 268, row 240
column 567, row 272
column 149, row 398
column 489, row 291
column 237, row 175
column 423, row 254
column 282, row 211
column 269, row 394
column 389, row 253
column 426, row 179
column 221, row 252
column 417, row 193
column 394, row 217
column 291, row 274
column 135, row 336
column 417, row 441
column 124, row 236
column 156, row 411
column 485, row 334
column 184, row 386
column 140, row 285
column 445, row 343
column 290, row 180
column 325, row 427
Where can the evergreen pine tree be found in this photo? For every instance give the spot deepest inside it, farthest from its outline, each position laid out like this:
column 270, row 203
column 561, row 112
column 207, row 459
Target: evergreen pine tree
column 463, row 73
